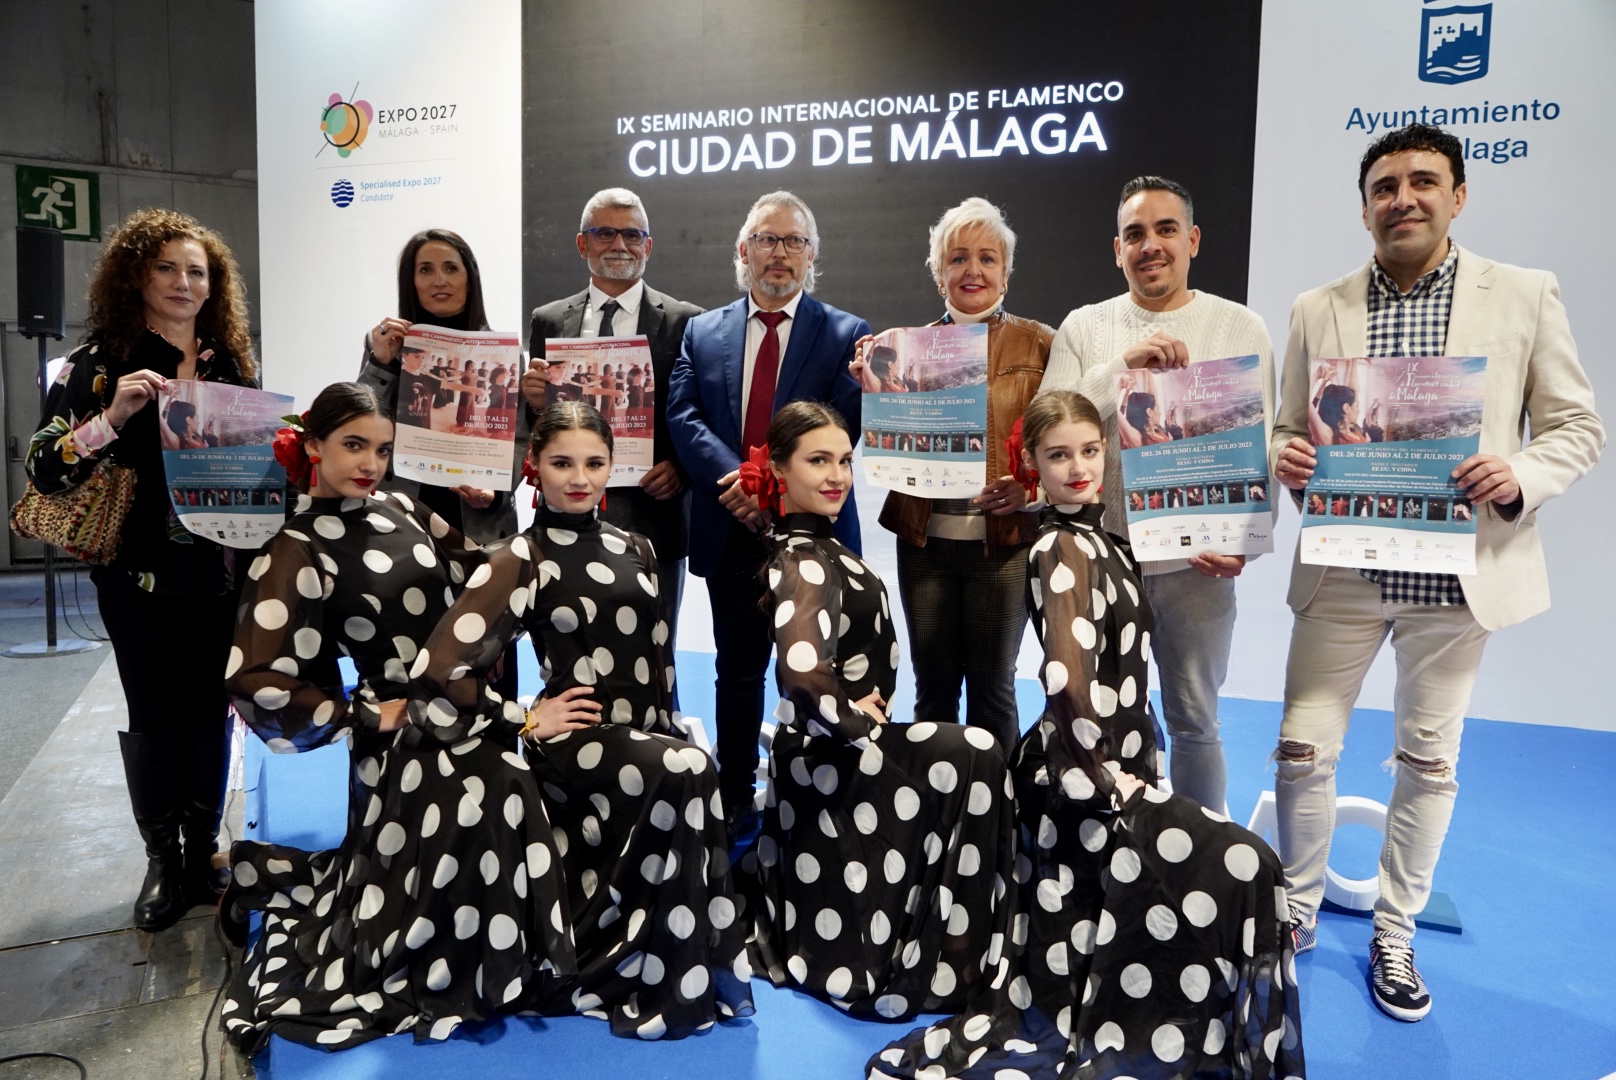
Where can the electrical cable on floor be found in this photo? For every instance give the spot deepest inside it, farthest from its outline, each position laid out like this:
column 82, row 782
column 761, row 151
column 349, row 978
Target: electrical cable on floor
column 229, row 969
column 229, row 958
column 89, row 634
column 84, row 1074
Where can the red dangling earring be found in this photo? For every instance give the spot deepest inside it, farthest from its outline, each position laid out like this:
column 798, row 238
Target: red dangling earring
column 601, row 509
column 314, row 472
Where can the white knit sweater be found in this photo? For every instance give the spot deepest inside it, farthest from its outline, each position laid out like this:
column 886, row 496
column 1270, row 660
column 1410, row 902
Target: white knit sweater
column 1086, row 356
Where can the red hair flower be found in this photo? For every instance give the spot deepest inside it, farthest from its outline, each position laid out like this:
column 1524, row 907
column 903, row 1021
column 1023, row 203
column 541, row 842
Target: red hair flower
column 289, row 452
column 1020, row 471
column 758, row 479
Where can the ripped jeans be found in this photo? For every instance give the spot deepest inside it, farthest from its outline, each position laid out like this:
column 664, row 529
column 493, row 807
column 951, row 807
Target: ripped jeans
column 1333, row 641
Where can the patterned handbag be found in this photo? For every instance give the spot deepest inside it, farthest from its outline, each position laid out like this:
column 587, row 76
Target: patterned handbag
column 86, row 520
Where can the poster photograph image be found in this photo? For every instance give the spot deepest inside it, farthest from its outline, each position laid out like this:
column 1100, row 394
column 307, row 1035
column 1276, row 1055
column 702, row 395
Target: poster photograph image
column 926, row 411
column 223, row 480
column 1389, row 432
column 613, row 374
column 1195, row 460
column 458, row 396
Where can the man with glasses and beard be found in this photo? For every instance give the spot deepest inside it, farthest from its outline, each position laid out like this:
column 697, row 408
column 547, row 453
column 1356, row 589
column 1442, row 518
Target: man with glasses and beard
column 738, row 365
column 614, row 239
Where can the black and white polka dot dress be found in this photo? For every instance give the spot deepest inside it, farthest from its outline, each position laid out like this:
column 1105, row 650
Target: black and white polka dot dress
column 885, row 847
column 445, row 901
column 661, row 952
column 1149, row 940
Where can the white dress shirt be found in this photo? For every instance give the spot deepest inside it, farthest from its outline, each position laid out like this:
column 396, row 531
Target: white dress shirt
column 625, row 323
column 754, row 341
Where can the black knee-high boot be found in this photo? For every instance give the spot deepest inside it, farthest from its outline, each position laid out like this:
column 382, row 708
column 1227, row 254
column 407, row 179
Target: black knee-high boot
column 148, row 768
column 205, row 759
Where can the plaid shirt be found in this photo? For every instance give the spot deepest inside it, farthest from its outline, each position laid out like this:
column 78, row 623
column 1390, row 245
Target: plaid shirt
column 1413, row 324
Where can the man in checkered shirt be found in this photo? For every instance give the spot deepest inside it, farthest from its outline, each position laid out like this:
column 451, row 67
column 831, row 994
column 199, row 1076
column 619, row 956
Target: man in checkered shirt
column 1421, row 295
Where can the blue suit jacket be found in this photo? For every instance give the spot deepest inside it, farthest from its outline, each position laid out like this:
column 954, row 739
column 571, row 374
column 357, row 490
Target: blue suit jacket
column 704, row 405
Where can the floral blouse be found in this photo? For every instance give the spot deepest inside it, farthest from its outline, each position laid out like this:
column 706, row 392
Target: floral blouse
column 75, row 437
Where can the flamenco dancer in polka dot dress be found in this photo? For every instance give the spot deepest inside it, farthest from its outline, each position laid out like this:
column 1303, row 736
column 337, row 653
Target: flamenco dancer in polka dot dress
column 661, row 952
column 1151, row 938
column 885, row 847
column 444, row 902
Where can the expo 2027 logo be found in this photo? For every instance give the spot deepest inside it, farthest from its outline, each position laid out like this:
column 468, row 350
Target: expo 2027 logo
column 1454, row 42
column 345, row 123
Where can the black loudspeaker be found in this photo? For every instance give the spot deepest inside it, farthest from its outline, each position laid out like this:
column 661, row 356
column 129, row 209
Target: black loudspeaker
column 41, row 305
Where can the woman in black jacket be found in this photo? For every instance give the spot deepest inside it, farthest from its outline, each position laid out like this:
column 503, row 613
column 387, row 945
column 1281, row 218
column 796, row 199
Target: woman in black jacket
column 166, row 302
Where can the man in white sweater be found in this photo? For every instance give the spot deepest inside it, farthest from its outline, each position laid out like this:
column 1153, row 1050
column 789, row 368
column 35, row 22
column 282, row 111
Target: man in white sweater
column 1161, row 322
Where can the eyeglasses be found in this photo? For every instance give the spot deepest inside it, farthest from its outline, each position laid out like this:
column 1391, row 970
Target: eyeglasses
column 608, row 235
column 764, row 241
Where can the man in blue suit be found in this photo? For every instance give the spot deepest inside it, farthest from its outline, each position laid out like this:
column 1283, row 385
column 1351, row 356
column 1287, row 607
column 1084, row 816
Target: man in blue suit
column 737, row 365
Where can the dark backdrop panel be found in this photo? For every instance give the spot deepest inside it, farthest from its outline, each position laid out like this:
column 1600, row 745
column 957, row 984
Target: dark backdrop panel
column 1188, row 110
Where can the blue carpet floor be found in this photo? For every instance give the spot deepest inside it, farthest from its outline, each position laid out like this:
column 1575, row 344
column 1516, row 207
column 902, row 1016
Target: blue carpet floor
column 1526, row 989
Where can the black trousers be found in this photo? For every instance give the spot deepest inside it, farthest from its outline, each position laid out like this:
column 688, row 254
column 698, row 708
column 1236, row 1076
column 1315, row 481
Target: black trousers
column 171, row 653
column 741, row 635
column 965, row 605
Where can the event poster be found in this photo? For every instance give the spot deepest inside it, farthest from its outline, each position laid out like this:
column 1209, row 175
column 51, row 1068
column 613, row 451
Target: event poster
column 926, row 410
column 458, row 396
column 614, row 374
column 1389, row 432
column 1195, row 460
column 223, row 479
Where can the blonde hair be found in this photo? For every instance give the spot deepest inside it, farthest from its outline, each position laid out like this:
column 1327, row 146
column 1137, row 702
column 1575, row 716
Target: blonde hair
column 972, row 212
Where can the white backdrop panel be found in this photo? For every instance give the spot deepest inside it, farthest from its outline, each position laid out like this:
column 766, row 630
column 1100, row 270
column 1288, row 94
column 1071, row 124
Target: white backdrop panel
column 1546, row 207
column 442, row 148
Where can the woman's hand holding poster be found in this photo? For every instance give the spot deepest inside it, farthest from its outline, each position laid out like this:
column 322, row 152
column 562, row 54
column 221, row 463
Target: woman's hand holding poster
column 1195, row 460
column 926, row 410
column 1389, row 431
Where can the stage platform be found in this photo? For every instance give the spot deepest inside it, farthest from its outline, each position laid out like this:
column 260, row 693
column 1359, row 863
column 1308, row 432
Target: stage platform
column 1530, row 865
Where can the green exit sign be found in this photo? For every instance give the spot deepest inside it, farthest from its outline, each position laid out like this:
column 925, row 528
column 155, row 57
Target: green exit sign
column 60, row 199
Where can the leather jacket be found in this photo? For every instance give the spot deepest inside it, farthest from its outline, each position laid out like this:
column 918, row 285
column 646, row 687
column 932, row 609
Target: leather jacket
column 1018, row 350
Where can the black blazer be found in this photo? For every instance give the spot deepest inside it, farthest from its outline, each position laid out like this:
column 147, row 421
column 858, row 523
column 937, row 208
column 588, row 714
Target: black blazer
column 662, row 321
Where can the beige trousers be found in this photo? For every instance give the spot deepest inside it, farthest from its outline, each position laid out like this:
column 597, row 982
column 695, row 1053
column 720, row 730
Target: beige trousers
column 1333, row 641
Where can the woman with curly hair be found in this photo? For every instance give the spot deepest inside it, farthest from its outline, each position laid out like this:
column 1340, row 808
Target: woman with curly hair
column 166, row 302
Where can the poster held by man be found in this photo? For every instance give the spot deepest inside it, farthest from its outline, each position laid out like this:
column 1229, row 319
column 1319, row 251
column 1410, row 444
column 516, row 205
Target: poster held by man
column 1390, row 432
column 615, row 376
column 1195, row 460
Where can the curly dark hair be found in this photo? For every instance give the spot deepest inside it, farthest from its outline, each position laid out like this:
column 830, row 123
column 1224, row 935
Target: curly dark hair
column 1413, row 137
column 117, row 316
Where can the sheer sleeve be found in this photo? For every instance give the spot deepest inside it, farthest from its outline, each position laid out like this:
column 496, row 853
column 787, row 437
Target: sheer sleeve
column 74, row 430
column 451, row 697
column 462, row 553
column 280, row 643
column 661, row 656
column 806, row 606
column 1079, row 747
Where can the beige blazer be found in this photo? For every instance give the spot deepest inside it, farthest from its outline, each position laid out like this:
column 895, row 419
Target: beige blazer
column 1539, row 413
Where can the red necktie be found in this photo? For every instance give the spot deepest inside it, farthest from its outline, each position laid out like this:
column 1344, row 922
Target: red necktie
column 765, row 371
